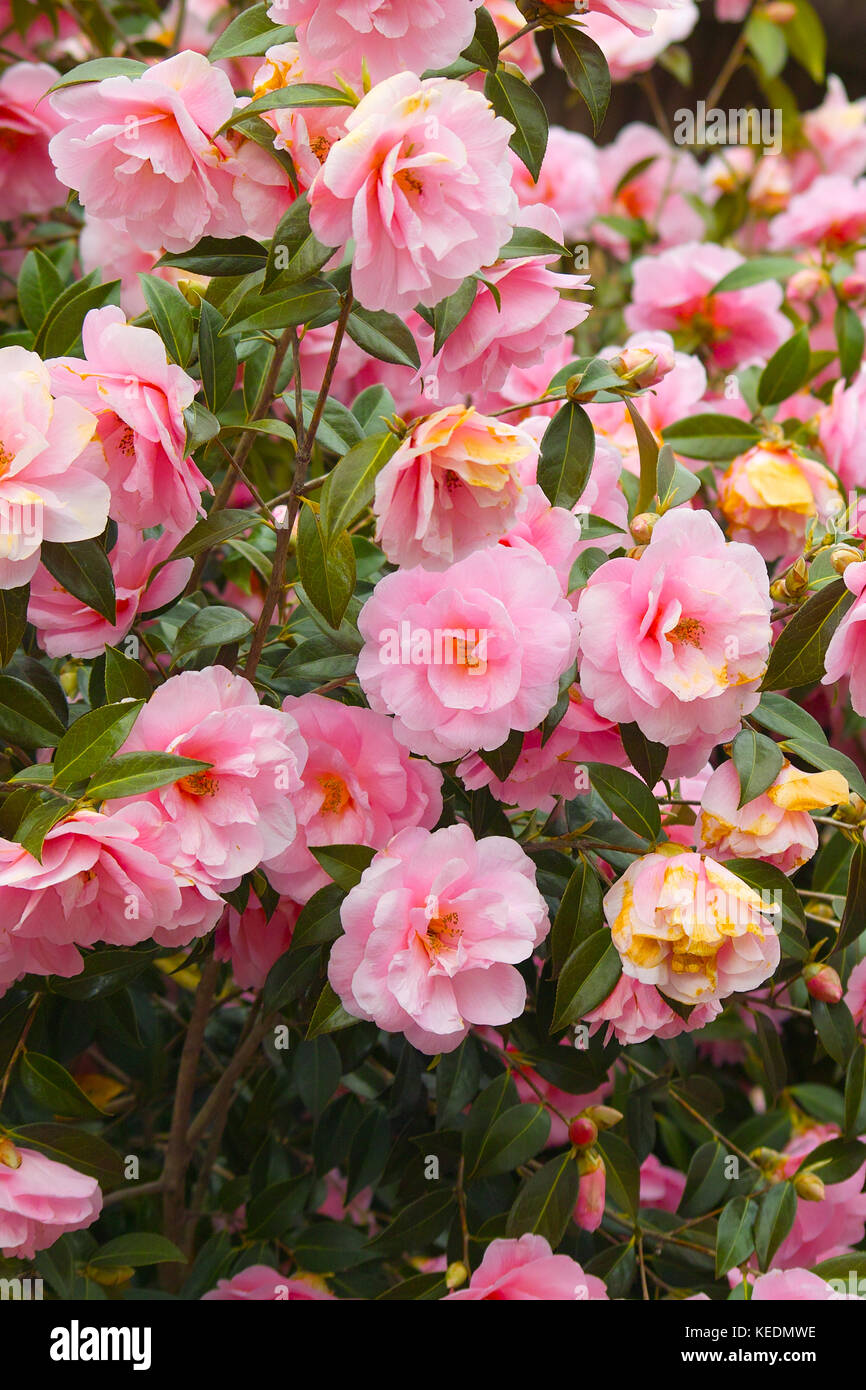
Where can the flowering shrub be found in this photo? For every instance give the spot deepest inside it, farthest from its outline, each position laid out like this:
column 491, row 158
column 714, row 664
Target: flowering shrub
column 432, row 679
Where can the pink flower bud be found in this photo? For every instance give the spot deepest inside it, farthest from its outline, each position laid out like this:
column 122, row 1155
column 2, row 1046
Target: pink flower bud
column 808, row 283
column 582, row 1132
column 823, row 983
column 590, row 1197
column 853, row 288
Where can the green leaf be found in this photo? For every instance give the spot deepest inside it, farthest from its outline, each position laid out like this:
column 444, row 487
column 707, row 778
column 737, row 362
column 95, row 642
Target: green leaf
column 579, row 915
column 329, row 1015
column 98, row 69
column 587, row 978
column 735, row 1238
column 218, row 362
column 772, row 885
column 807, row 40
column 289, row 977
column 172, row 316
column 799, row 654
column 13, row 620
column 300, row 94
column 648, row 452
column 836, row 1161
column 295, row 253
column 711, row 438
column 786, row 371
column 215, row 626
column 623, row 1173
column 850, row 340
column 756, row 271
column 527, row 241
column 104, row 972
column 758, row 761
column 349, row 487
column 417, row 1225
column 457, row 1079
column 767, row 42
column 338, row 430
column 835, row 1028
column 483, row 51
column 92, row 739
column 546, row 1201
column 771, row 1054
column 343, row 863
column 201, row 426
column 586, row 69
column 26, row 717
column 854, row 915
column 136, row 1250
column 125, row 679
column 776, row 1215
column 45, row 811
column 383, row 336
column 781, row 716
column 250, row 34
column 39, row 285
column 449, row 313
column 646, row 757
column 515, row 1136
column 224, row 524
column 83, row 569
column 512, row 97
column 83, row 1151
column 675, row 483
column 502, row 760
column 133, row 774
column 706, row 1180
column 326, row 565
column 60, row 331
column 283, row 308
column 855, row 1089
column 52, row 1087
column 317, row 1070
column 567, row 452
column 219, row 256
column 629, row 799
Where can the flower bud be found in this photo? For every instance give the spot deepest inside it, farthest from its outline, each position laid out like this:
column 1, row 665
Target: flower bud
column 603, row 1115
column 770, row 1161
column 109, row 1278
column 582, row 1132
column 853, row 288
column 806, row 284
column 591, row 1193
column 642, row 526
column 643, row 366
column 797, row 578
column 779, row 11
column 456, row 1274
column 9, row 1155
column 823, row 983
column 69, row 679
column 809, row 1186
column 841, row 556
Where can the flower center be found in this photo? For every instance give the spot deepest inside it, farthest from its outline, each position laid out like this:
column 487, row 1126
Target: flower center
column 689, row 631
column 443, row 928
column 200, row 784
column 408, row 182
column 126, row 443
column 335, row 794
column 6, row 460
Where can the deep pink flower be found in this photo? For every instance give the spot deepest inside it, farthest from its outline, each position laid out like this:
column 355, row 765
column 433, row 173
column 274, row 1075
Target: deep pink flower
column 831, row 213
column 827, row 1228
column 433, row 932
column 40, row 1201
column 27, row 180
column 591, row 1192
column 636, row 1012
column 842, row 431
column 660, row 1186
column 846, row 654
column 855, row 995
column 358, row 787
column 655, row 194
column 526, row 1269
column 253, row 942
column 261, row 1284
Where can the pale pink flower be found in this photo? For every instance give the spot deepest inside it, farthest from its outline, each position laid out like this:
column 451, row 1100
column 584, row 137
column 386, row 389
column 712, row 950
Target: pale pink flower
column 261, row 1284
column 641, row 16
column 676, row 396
column 551, row 532
column 252, row 941
column 771, row 494
column 636, row 1012
column 568, row 182
column 102, row 247
column 545, row 772
column 525, row 1269
column 390, row 35
column 139, row 398
column 628, row 52
column 831, row 213
column 516, row 326
column 677, row 640
column 732, row 10
column 422, row 183
column 433, row 932
column 846, row 654
column 40, row 1201
column 306, row 133
column 776, row 826
column 690, row 927
column 67, row 627
column 836, row 131
column 591, row 1192
column 523, row 51
column 660, row 1186
column 524, row 385
column 358, row 787
column 464, row 656
column 141, row 152
column 673, row 291
column 655, row 195
column 827, row 1228
column 51, row 487
column 855, row 995
column 239, row 812
column 27, row 180
column 793, row 1286
column 452, row 487
column 842, row 431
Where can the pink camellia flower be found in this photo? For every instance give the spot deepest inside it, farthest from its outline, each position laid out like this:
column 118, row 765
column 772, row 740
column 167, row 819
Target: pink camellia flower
column 433, row 932
column 358, row 787
column 551, row 532
column 261, row 1284
column 628, row 52
column 732, row 10
column 50, row 484
column 660, row 1186
column 568, row 181
column 390, row 35
column 836, row 131
column 691, row 927
column 546, row 771
column 674, row 397
column 846, row 654
column 452, row 487
column 855, row 995
column 40, row 1201
column 677, row 640
column 827, row 1228
column 527, row 1270
column 252, row 941
column 143, row 153
column 655, row 194
column 27, row 180
column 102, row 247
column 842, row 431
column 775, row 826
column 636, row 1012
column 513, row 326
column 464, row 656
column 674, row 291
column 591, row 1191
column 641, row 16
column 523, row 52
column 830, row 213
column 793, row 1286
column 139, row 398
column 306, row 133
column 67, row 627
column 239, row 812
column 422, row 183
column 770, row 494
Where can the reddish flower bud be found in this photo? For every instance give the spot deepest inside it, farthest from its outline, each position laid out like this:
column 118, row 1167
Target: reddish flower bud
column 823, row 983
column 582, row 1132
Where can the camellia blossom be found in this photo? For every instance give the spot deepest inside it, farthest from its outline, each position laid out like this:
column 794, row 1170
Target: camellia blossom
column 568, row 181
column 642, row 177
column 836, row 131
column 139, row 398
column 40, row 1201
column 660, row 1186
column 677, row 640
column 390, row 35
column 252, row 941
column 769, row 496
column 238, row 812
column 464, row 656
column 422, row 182
column 452, row 487
column 27, row 180
column 842, row 431
column 691, row 927
column 846, row 654
column 824, row 1229
column 673, row 291
column 793, row 1286
column 629, row 52
column 50, row 488
column 635, row 1012
column 526, row 1269
column 261, row 1284
column 641, row 16
column 308, row 132
column 358, row 787
column 855, row 995
column 433, row 932
column 776, row 826
column 830, row 213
